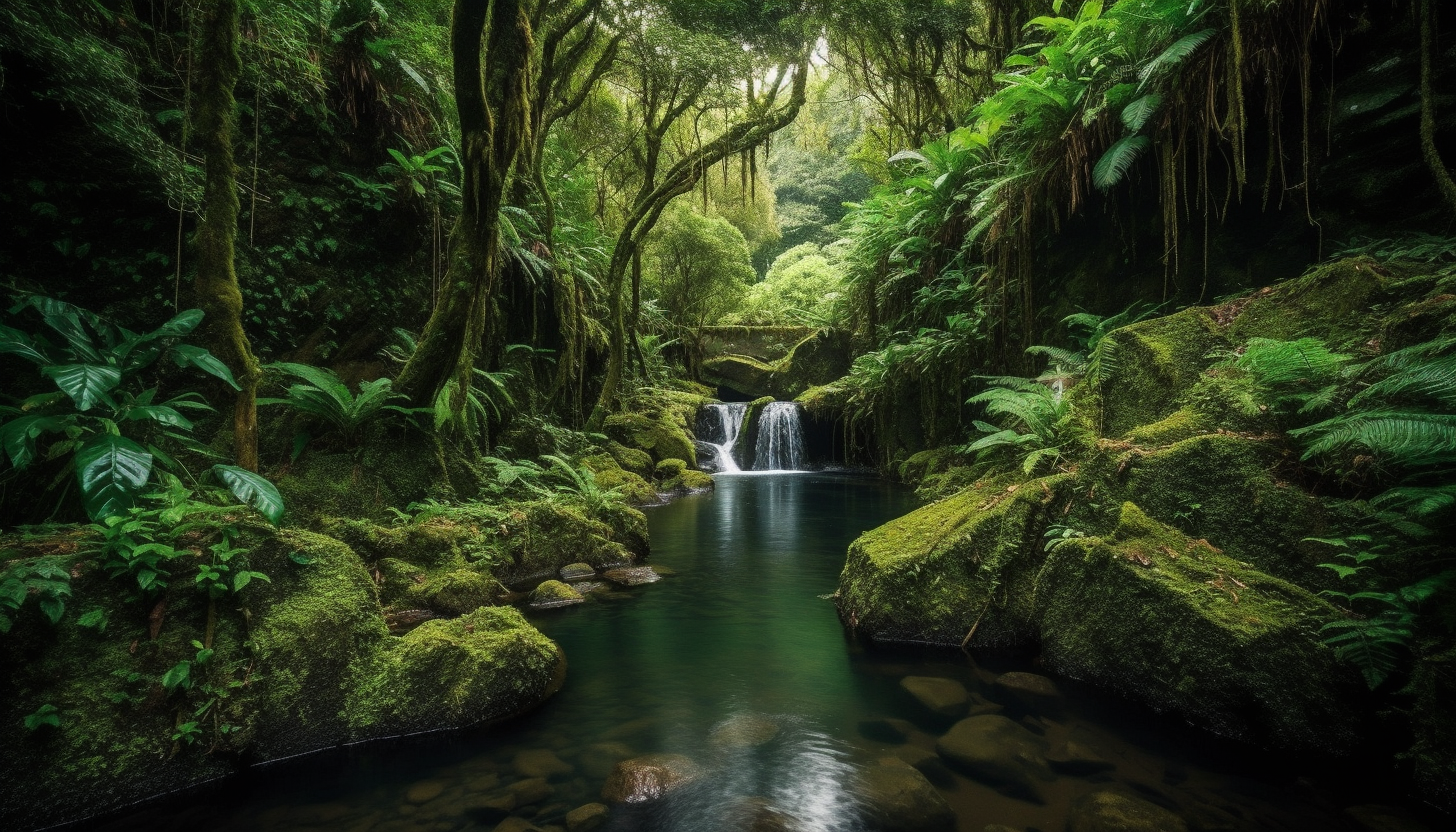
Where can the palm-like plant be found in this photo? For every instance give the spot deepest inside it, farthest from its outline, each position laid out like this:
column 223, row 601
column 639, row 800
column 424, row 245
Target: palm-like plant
column 321, row 394
column 580, row 484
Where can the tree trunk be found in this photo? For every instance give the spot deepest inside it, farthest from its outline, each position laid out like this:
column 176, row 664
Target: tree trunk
column 216, row 285
column 492, row 98
column 1429, row 32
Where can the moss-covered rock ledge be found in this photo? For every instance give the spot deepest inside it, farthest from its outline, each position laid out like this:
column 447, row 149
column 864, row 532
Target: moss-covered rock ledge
column 306, row 663
column 1167, row 559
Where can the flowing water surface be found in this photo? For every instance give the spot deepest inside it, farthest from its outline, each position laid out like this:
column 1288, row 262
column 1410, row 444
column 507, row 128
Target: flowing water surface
column 737, row 660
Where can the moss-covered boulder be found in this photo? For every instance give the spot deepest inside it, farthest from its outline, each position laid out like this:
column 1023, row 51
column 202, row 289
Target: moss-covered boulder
column 658, row 435
column 610, row 475
column 315, row 662
column 817, row 359
column 551, row 594
column 1145, row 609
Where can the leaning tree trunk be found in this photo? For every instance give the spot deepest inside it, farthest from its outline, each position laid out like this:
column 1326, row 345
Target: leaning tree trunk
column 492, row 99
column 1429, row 32
column 216, row 285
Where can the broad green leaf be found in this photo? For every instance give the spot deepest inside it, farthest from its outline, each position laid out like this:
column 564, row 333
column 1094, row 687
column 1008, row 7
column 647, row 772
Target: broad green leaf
column 1114, row 164
column 188, row 355
column 53, row 608
column 1136, row 114
column 15, row 342
column 159, row 413
column 18, row 436
column 178, row 676
column 86, row 384
column 253, row 490
column 111, row 470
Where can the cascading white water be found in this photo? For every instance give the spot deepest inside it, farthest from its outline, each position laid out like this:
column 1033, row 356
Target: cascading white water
column 723, row 424
column 780, row 445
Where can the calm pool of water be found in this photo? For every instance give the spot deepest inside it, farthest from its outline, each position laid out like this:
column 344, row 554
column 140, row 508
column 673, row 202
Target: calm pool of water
column 741, row 639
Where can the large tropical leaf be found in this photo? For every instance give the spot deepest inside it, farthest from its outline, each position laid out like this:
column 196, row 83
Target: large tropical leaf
column 187, row 355
column 253, row 490
column 86, row 384
column 15, row 342
column 18, row 436
column 1114, row 164
column 112, row 470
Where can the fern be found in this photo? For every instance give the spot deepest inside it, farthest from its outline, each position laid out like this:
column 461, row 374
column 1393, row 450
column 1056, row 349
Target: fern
column 1293, row 376
column 324, row 396
column 1175, row 54
column 1118, row 159
column 1136, row 114
column 1038, row 417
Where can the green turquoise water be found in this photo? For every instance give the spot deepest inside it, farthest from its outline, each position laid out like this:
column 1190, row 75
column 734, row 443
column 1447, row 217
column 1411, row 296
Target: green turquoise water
column 742, row 629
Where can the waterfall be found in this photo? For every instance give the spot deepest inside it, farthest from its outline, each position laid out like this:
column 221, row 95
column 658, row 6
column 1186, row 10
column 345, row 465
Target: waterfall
column 719, row 425
column 780, row 444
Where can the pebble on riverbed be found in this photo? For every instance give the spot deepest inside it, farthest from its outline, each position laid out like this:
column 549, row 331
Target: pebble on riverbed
column 646, row 778
column 942, row 697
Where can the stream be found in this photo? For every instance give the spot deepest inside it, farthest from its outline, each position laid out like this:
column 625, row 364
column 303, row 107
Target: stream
column 737, row 661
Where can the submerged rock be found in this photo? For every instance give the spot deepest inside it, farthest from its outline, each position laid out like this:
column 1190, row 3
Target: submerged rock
column 598, row 759
column 551, row 594
column 643, row 779
column 744, row 731
column 1375, row 818
column 586, row 818
column 896, row 798
column 886, row 729
column 1108, row 811
column 1035, row 692
column 942, row 697
column 541, row 762
column 632, row 575
column 999, row 752
column 424, row 792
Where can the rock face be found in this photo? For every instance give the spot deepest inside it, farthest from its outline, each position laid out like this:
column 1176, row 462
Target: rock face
column 643, row 779
column 999, row 752
column 897, row 798
column 942, row 697
column 1108, row 811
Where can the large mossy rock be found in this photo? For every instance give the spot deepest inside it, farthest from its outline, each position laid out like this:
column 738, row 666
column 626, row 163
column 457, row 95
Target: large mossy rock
column 817, row 359
column 1145, row 609
column 319, row 666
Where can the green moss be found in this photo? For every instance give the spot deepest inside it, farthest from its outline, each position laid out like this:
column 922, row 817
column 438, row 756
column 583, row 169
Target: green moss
column 460, row 591
column 1331, row 302
column 659, row 435
column 609, row 475
column 818, row 358
column 928, row 575
column 1225, row 488
column 928, row 463
column 1150, row 364
column 669, row 468
column 483, row 666
column 1172, row 622
column 687, row 481
column 553, row 591
column 1180, row 424
column 631, row 459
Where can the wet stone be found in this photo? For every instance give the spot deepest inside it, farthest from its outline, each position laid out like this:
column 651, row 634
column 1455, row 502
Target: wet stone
column 530, row 791
column 999, row 752
column 942, row 697
column 897, row 798
column 886, row 729
column 926, row 762
column 402, row 621
column 585, row 587
column 744, row 731
column 1077, row 759
column 577, row 571
column 1033, row 691
column 586, row 818
column 424, row 792
column 1108, row 811
column 632, row 576
column 516, row 825
column 646, row 778
column 551, row 594
column 541, row 763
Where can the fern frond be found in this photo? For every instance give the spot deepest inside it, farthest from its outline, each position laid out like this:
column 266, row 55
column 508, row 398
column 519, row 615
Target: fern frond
column 1136, row 114
column 1400, row 437
column 1118, row 159
column 1175, row 54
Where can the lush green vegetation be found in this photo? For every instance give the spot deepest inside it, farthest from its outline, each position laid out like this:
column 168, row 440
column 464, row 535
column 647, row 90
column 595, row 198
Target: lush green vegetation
column 420, row 296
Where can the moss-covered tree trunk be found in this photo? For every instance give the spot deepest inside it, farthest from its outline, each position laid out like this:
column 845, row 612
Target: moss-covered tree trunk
column 216, row 285
column 1429, row 32
column 490, row 43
